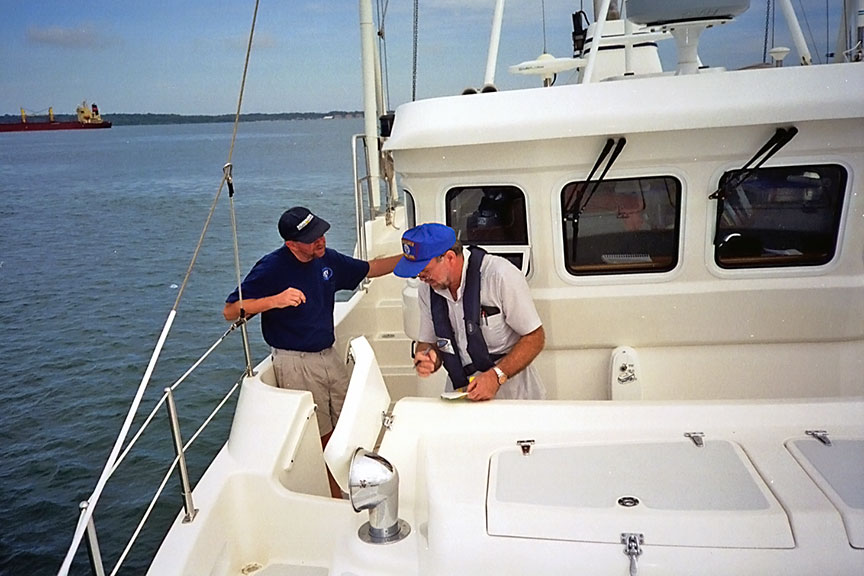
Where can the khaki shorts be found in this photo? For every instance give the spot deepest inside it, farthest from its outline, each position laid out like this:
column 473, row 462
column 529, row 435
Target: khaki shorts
column 324, row 374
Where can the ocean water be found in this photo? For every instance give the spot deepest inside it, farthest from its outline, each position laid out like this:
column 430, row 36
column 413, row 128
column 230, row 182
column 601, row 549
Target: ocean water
column 97, row 229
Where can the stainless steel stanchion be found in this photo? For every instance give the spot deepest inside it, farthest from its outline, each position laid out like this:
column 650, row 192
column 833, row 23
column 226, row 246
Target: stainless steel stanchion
column 178, row 450
column 92, row 544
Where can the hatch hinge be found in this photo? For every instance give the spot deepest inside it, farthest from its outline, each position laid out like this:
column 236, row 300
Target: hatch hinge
column 632, row 542
column 820, row 435
column 696, row 437
column 387, row 419
column 525, row 445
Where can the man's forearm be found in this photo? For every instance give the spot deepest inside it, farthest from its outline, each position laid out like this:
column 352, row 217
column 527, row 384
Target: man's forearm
column 382, row 266
column 524, row 352
column 252, row 306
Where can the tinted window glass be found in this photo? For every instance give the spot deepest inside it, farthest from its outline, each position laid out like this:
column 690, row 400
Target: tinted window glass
column 488, row 215
column 621, row 226
column 786, row 216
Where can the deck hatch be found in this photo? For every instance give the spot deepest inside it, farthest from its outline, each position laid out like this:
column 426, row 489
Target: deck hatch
column 711, row 496
column 838, row 469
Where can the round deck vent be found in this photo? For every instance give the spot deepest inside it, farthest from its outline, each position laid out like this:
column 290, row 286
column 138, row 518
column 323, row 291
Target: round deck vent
column 628, row 501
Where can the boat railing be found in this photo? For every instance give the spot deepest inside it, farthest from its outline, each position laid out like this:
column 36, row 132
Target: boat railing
column 86, row 529
column 359, row 183
column 367, row 193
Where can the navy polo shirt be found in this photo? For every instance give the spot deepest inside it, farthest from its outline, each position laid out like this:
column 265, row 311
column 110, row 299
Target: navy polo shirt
column 309, row 326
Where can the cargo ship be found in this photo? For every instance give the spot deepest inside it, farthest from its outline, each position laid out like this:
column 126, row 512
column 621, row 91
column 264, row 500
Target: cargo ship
column 87, row 118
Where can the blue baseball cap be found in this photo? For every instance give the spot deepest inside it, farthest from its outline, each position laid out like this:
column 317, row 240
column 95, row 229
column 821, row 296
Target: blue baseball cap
column 420, row 245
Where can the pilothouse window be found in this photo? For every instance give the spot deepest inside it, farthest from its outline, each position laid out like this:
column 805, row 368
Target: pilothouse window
column 784, row 216
column 624, row 226
column 493, row 217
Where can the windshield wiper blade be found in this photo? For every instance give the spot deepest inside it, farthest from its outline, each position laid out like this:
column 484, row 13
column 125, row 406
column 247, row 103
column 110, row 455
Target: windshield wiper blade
column 574, row 208
column 569, row 212
column 782, row 136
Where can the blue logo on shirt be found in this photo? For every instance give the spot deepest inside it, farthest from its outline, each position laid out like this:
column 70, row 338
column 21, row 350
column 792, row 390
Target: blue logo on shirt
column 327, row 273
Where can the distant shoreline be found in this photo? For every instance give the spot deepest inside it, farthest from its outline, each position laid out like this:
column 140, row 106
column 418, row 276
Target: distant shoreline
column 149, row 118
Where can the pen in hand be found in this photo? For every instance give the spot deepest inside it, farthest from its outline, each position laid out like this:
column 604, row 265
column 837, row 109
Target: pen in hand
column 425, row 362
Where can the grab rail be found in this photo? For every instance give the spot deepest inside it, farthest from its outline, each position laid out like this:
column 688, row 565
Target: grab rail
column 86, row 528
column 391, row 193
column 359, row 209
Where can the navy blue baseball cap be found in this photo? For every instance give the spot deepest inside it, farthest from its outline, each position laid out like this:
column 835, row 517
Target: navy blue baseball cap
column 298, row 224
column 420, row 245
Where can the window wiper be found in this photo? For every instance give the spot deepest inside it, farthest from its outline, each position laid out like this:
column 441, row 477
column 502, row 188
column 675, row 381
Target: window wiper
column 781, row 137
column 569, row 212
column 574, row 208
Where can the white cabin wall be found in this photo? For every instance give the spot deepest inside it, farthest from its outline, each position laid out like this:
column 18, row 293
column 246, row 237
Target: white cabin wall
column 700, row 331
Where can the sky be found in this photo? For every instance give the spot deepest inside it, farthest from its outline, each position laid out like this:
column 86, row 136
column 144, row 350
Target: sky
column 187, row 56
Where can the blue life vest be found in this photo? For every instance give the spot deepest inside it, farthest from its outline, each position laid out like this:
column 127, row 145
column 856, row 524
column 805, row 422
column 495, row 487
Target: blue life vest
column 481, row 360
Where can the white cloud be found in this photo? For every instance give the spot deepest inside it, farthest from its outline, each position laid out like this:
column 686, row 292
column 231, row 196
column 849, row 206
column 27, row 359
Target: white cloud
column 83, row 36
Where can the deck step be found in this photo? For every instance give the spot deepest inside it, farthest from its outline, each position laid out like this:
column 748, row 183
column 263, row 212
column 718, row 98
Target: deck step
column 392, row 349
column 388, row 315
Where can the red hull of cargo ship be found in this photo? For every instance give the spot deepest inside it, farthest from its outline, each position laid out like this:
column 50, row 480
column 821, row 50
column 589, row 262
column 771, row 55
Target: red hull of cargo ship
column 35, row 126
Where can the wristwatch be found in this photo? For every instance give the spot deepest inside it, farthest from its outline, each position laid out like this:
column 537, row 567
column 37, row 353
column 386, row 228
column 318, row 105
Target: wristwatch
column 502, row 377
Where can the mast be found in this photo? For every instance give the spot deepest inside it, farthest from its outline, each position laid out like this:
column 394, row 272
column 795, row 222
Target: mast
column 804, row 57
column 494, row 40
column 370, row 111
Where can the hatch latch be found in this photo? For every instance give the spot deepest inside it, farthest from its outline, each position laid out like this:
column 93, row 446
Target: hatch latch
column 696, row 437
column 525, row 445
column 820, row 435
column 632, row 549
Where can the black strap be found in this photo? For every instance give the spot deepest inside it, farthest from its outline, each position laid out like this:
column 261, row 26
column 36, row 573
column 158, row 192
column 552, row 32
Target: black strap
column 476, row 344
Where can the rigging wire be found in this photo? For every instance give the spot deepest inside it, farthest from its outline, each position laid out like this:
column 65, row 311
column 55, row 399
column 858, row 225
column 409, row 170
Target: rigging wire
column 765, row 36
column 414, row 60
column 382, row 42
column 543, row 14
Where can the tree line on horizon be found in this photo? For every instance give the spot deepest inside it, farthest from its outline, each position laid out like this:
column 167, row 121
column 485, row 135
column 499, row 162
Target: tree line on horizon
column 151, row 118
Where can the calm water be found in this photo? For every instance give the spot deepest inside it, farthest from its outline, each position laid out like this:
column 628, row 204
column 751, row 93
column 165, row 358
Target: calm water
column 96, row 232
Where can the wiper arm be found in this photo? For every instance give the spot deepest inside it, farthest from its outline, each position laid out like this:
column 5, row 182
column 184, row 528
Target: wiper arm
column 574, row 207
column 619, row 146
column 781, row 137
column 569, row 212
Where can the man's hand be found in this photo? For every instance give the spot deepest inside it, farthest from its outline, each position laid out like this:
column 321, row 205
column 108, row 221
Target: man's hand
column 253, row 306
column 484, row 386
column 425, row 362
column 288, row 298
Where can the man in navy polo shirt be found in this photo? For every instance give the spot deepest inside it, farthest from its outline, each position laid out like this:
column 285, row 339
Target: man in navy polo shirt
column 294, row 288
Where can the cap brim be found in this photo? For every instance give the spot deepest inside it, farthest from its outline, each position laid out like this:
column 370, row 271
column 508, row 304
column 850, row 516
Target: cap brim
column 410, row 268
column 313, row 231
